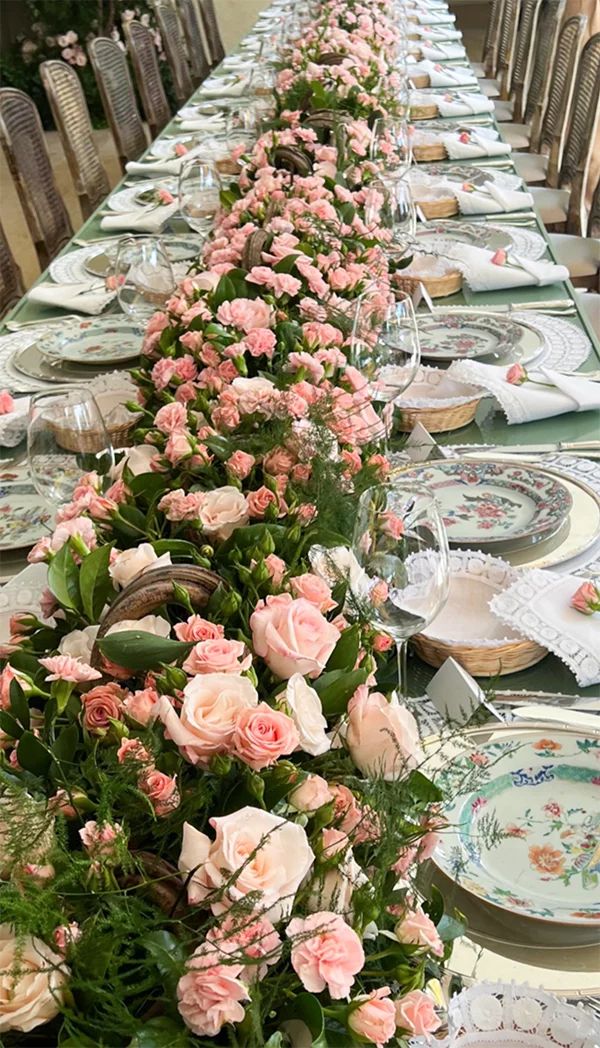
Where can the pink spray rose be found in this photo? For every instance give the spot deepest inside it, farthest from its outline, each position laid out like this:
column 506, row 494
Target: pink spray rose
column 212, row 703
column 218, row 656
column 239, row 464
column 262, row 735
column 161, row 790
column 292, row 636
column 314, row 589
column 101, row 705
column 586, row 599
column 415, row 1012
column 312, row 793
column 196, row 628
column 375, row 1018
column 418, row 929
column 326, row 954
column 7, row 403
column 517, row 375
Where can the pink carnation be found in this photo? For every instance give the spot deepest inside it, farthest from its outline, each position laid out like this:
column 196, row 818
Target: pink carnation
column 64, row 667
column 326, row 953
column 245, row 313
column 209, row 994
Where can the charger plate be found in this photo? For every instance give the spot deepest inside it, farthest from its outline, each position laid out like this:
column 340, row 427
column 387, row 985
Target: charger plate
column 504, row 505
column 30, row 362
column 477, row 176
column 101, row 260
column 523, row 817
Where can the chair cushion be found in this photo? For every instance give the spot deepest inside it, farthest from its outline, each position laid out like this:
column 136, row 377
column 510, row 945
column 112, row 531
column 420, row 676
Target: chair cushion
column 516, row 134
column 490, row 88
column 581, row 255
column 503, row 110
column 478, row 69
column 531, row 167
column 552, row 204
column 589, row 304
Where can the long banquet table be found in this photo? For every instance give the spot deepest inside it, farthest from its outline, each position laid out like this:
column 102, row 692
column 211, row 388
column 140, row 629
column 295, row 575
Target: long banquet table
column 551, row 675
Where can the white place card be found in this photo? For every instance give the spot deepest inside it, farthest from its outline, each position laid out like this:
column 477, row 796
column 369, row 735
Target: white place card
column 456, row 696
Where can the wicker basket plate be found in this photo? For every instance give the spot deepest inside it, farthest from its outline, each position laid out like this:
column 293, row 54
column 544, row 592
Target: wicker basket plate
column 438, row 402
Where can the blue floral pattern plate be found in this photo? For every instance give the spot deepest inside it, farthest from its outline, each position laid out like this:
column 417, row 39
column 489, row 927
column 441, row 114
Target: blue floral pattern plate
column 523, row 819
column 489, row 505
column 23, row 516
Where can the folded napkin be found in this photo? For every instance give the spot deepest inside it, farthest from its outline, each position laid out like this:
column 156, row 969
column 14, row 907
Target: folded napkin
column 441, row 75
column 481, row 274
column 545, row 394
column 462, row 147
column 538, row 604
column 439, row 52
column 432, row 17
column 489, row 199
column 432, row 32
column 76, row 298
column 13, row 426
column 205, row 121
column 462, row 104
column 223, row 88
column 148, row 220
column 238, row 62
column 164, row 165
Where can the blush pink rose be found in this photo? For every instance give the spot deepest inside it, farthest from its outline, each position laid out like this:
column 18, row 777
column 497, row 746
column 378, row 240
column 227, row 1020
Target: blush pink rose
column 415, row 1012
column 196, row 628
column 314, row 589
column 141, row 706
column 326, row 953
column 586, row 599
column 253, row 851
column 276, row 568
column 382, row 736
column 101, row 705
column 218, row 656
column 418, row 929
column 262, row 735
column 223, row 510
column 375, row 1018
column 292, row 636
column 212, row 703
column 209, row 994
column 161, row 790
column 259, row 501
column 312, row 793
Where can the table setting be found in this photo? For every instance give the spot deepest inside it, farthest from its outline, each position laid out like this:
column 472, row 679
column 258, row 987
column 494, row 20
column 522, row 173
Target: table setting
column 283, row 580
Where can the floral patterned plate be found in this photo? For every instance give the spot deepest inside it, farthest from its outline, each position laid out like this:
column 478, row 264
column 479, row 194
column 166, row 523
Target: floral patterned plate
column 23, row 516
column 97, row 340
column 465, row 335
column 478, row 176
column 523, row 242
column 523, row 816
column 495, row 505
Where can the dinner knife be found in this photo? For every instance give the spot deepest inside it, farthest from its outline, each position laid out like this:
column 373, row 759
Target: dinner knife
column 581, row 446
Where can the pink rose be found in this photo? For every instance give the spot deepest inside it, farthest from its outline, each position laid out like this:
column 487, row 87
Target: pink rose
column 312, row 793
column 326, row 954
column 382, row 736
column 101, row 839
column 245, row 939
column 586, row 599
column 64, row 667
column 382, row 642
column 218, row 656
column 209, row 994
column 415, row 1012
column 245, row 313
column 240, row 464
column 141, row 706
column 314, row 589
column 375, row 1018
column 418, row 929
column 7, row 403
column 161, row 790
column 196, row 628
column 259, row 501
column 292, row 636
column 223, row 510
column 253, row 852
column 499, row 257
column 517, row 375
column 132, row 750
column 262, row 735
column 212, row 703
column 276, row 568
column 101, row 705
column 358, row 821
column 170, row 418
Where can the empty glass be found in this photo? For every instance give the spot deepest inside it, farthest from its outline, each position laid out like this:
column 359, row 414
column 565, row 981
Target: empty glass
column 66, row 437
column 391, row 148
column 390, row 208
column 199, row 194
column 144, row 276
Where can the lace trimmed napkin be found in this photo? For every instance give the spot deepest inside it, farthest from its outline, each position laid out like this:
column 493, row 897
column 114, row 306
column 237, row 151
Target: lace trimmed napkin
column 553, row 393
column 491, row 199
column 458, row 104
column 481, row 274
column 76, row 298
column 441, row 52
column 539, row 605
column 465, row 147
column 164, row 166
column 440, row 75
column 150, row 220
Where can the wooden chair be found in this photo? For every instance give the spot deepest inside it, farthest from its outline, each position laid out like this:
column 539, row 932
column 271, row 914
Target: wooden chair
column 23, row 143
column 212, row 31
column 525, row 55
column 531, row 81
column 118, row 98
column 142, row 52
column 11, row 281
column 72, row 120
column 199, row 62
column 168, row 23
column 489, row 61
column 508, row 45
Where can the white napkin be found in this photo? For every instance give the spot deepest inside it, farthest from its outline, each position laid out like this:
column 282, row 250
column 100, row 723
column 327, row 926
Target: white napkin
column 238, row 63
column 462, row 104
column 76, row 298
column 150, row 220
column 552, row 394
column 223, row 88
column 432, row 32
column 202, row 121
column 489, row 199
column 477, row 145
column 538, row 604
column 439, row 52
column 440, row 75
column 432, row 17
column 481, row 274
column 164, row 165
column 13, row 426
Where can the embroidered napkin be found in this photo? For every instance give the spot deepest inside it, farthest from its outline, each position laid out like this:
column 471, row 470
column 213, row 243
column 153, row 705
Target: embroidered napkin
column 481, row 274
column 440, row 52
column 490, row 199
column 440, row 75
column 545, row 394
column 150, row 220
column 432, row 32
column 539, row 605
column 164, row 165
column 76, row 298
column 463, row 147
column 459, row 103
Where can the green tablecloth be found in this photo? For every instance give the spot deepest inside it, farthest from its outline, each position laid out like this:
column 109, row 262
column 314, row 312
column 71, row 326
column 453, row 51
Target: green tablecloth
column 551, row 674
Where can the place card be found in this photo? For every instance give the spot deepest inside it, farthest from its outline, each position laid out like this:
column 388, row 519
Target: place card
column 457, row 697
column 421, row 446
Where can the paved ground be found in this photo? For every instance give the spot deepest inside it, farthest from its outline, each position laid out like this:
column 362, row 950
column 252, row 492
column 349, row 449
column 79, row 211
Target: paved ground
column 235, row 17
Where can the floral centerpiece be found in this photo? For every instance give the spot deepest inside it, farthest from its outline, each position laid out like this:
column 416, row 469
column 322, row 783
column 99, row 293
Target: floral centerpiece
column 211, row 812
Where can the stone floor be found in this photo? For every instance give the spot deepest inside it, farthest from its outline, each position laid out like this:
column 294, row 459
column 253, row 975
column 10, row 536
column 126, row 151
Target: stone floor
column 235, row 17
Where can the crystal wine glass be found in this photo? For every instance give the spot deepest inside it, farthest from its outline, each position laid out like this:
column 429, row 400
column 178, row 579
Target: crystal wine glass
column 144, row 276
column 385, row 347
column 401, row 546
column 199, row 194
column 66, row 437
column 391, row 147
column 390, row 208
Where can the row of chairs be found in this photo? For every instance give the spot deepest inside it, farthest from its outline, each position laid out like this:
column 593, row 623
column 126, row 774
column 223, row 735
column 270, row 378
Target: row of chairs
column 547, row 84
column 22, row 137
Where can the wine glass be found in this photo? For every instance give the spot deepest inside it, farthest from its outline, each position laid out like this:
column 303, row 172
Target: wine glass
column 199, row 194
column 401, row 547
column 385, row 348
column 391, row 147
column 144, row 276
column 66, row 437
column 390, row 208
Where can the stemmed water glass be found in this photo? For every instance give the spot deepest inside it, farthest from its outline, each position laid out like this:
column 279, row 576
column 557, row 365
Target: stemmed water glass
column 385, row 348
column 199, row 194
column 401, row 547
column 391, row 147
column 66, row 437
column 389, row 208
column 144, row 276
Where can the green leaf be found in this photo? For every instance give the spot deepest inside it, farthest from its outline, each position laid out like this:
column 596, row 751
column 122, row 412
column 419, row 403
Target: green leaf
column 63, row 579
column 275, row 1040
column 19, row 706
column 307, row 1008
column 177, row 548
column 345, row 653
column 9, row 725
column 285, row 264
column 167, row 954
column 32, row 755
column 149, row 484
column 160, row 1032
column 224, row 291
column 422, row 789
column 66, row 743
column 450, row 928
column 139, row 651
column 94, row 581
column 27, row 663
column 336, row 688
column 434, row 904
